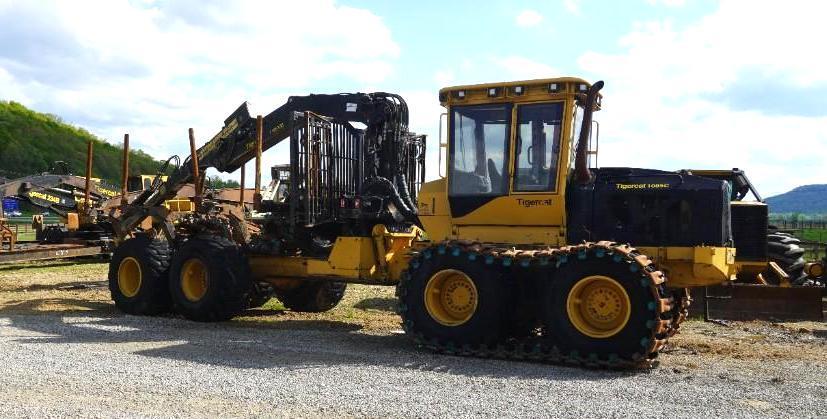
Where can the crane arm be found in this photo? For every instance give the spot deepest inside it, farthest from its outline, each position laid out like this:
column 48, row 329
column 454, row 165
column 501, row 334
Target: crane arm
column 385, row 116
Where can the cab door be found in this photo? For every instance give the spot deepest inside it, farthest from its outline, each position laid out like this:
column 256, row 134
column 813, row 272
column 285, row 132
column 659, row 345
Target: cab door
column 529, row 206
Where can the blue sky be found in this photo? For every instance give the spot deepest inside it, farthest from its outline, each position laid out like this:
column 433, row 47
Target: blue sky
column 439, row 34
column 689, row 84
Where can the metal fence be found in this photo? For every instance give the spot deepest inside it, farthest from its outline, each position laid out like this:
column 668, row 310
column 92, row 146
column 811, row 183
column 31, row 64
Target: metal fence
column 813, row 234
column 22, row 226
column 798, row 224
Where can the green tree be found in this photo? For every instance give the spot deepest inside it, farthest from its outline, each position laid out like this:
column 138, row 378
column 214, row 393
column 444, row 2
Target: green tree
column 30, row 142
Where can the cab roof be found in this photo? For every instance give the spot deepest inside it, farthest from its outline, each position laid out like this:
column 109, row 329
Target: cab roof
column 514, row 91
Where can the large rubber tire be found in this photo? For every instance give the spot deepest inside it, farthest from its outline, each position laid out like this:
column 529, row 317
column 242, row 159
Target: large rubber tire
column 784, row 249
column 630, row 341
column 149, row 260
column 228, row 284
column 487, row 325
column 313, row 296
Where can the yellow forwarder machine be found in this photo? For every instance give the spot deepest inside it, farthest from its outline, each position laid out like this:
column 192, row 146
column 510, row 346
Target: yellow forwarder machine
column 521, row 250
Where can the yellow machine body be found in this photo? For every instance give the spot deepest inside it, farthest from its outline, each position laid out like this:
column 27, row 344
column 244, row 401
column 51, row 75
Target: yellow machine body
column 379, row 259
column 522, row 219
column 539, row 219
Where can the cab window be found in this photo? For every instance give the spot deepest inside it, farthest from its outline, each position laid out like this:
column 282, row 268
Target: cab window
column 479, row 144
column 538, row 147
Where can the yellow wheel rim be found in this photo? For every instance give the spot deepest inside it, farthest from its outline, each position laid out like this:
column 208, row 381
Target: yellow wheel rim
column 451, row 297
column 194, row 279
column 129, row 277
column 598, row 306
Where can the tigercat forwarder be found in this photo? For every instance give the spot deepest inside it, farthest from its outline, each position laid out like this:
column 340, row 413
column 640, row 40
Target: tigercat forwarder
column 518, row 250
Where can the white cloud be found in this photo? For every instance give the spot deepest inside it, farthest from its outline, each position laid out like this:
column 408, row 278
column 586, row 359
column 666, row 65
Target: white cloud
column 573, row 6
column 154, row 69
column 668, row 3
column 517, row 67
column 666, row 94
column 444, row 77
column 528, row 18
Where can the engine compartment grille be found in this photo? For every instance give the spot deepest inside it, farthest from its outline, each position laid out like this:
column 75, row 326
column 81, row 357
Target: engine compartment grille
column 749, row 230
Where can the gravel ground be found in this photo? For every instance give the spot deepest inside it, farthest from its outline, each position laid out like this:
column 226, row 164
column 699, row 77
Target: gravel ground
column 67, row 352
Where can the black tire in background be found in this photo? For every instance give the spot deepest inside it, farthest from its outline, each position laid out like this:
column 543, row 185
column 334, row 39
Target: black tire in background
column 259, row 298
column 229, row 284
column 313, row 296
column 149, row 260
column 784, row 249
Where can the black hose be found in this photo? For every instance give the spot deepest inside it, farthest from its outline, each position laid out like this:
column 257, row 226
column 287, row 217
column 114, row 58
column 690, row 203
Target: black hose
column 389, row 189
column 405, row 194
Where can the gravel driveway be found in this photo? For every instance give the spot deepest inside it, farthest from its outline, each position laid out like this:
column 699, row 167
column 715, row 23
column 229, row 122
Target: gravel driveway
column 117, row 365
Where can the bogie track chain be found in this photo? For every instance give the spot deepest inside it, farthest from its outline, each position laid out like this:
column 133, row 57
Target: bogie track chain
column 667, row 313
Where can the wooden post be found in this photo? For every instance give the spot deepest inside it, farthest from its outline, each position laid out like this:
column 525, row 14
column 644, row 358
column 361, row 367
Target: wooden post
column 259, row 140
column 86, row 204
column 241, row 190
column 125, row 170
column 196, row 181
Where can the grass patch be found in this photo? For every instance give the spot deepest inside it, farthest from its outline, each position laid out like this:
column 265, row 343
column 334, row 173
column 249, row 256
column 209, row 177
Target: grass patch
column 274, row 304
column 817, row 235
column 26, row 237
column 813, row 234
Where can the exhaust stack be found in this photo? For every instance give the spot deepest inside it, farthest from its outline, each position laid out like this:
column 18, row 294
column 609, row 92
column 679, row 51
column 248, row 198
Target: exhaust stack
column 581, row 160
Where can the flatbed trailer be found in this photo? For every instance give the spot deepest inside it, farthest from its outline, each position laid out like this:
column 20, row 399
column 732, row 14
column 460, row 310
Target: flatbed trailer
column 29, row 251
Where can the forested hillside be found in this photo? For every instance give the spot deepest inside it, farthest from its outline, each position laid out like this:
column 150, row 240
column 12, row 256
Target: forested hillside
column 807, row 199
column 30, row 142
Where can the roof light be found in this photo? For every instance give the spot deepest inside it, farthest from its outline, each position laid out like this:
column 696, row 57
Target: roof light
column 582, row 87
column 459, row 94
column 517, row 90
column 554, row 88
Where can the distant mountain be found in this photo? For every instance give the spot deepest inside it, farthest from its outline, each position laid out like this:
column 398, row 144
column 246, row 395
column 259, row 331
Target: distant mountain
column 31, row 141
column 807, row 199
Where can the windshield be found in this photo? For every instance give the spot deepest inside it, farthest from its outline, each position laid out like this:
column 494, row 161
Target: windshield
column 538, row 147
column 479, row 144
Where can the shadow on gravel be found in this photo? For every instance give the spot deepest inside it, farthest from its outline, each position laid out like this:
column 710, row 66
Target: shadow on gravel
column 289, row 344
column 45, row 306
column 377, row 303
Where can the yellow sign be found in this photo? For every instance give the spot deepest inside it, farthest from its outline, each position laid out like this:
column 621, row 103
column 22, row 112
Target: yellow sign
column 107, row 192
column 46, row 197
column 627, row 186
column 528, row 203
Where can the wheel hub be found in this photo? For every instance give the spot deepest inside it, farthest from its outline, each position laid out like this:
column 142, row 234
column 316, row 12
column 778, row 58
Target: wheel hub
column 194, row 279
column 598, row 306
column 450, row 297
column 129, row 277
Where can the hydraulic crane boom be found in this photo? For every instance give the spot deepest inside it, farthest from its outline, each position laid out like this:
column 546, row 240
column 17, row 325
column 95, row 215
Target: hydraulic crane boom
column 385, row 116
column 57, row 193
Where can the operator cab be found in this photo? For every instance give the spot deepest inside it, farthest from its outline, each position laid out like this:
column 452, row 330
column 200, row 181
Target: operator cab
column 509, row 151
